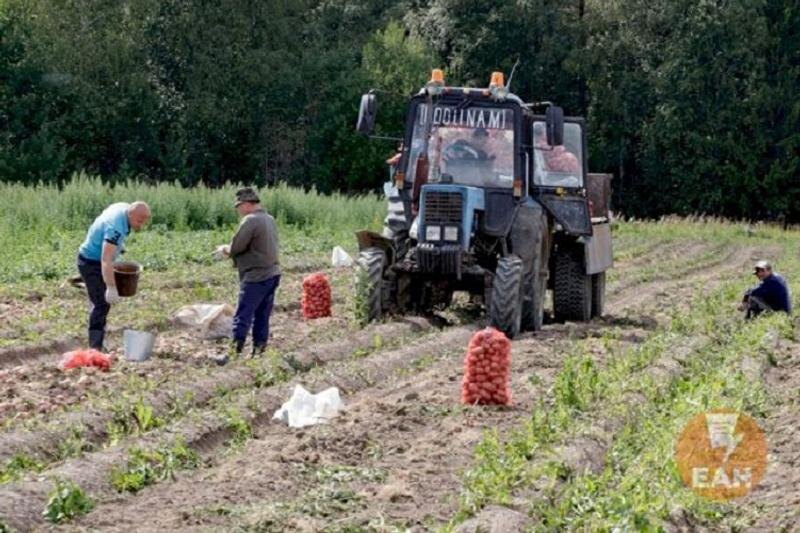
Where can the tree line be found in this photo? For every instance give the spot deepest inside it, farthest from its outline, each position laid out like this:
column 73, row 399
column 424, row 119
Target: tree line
column 693, row 105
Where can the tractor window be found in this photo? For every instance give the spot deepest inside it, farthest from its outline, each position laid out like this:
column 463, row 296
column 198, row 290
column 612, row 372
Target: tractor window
column 558, row 166
column 471, row 146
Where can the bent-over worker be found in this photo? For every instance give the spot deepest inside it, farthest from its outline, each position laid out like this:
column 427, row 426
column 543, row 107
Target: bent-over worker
column 772, row 294
column 254, row 250
column 104, row 241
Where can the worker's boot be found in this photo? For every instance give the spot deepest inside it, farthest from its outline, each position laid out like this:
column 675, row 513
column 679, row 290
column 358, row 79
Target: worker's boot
column 259, row 349
column 234, row 351
column 96, row 337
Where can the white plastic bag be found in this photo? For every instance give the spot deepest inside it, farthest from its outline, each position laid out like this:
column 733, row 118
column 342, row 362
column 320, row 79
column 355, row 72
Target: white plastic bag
column 214, row 321
column 340, row 258
column 306, row 409
column 389, row 190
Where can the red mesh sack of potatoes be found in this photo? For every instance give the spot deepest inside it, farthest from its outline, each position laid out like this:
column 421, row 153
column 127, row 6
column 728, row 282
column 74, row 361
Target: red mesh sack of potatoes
column 316, row 301
column 84, row 358
column 487, row 368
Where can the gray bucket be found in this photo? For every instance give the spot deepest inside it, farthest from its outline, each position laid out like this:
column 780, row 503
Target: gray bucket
column 138, row 345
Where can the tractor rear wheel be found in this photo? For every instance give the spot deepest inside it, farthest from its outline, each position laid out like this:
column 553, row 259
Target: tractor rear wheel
column 598, row 294
column 505, row 309
column 370, row 283
column 572, row 287
column 534, row 288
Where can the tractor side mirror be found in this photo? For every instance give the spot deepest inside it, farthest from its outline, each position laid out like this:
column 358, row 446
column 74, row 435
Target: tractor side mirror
column 366, row 114
column 554, row 118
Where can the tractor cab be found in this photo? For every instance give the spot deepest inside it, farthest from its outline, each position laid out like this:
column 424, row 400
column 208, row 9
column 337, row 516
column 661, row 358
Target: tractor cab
column 469, row 144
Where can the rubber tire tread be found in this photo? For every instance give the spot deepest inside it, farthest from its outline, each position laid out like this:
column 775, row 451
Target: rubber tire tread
column 371, row 261
column 533, row 307
column 505, row 311
column 598, row 294
column 572, row 287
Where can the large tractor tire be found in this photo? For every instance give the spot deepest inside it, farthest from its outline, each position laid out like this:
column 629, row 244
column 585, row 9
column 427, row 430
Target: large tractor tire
column 505, row 309
column 534, row 287
column 535, row 281
column 598, row 294
column 572, row 287
column 371, row 261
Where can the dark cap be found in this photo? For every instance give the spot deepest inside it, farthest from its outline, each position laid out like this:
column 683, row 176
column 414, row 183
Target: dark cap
column 246, row 194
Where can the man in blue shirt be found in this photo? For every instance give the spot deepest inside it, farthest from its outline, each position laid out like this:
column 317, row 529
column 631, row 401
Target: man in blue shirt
column 103, row 244
column 772, row 294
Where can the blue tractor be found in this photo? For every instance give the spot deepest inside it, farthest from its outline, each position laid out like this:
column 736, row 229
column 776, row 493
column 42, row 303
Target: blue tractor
column 490, row 195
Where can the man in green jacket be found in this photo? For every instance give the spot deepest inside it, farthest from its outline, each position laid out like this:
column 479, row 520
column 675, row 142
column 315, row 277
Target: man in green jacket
column 254, row 250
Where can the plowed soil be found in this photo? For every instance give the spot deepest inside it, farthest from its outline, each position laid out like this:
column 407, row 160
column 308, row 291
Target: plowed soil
column 397, row 455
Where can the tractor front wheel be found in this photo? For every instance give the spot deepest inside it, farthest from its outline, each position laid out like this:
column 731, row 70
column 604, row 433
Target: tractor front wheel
column 505, row 308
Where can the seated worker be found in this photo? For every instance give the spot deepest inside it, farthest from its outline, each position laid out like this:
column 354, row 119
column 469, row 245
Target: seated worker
column 556, row 158
column 772, row 294
column 476, row 148
column 472, row 161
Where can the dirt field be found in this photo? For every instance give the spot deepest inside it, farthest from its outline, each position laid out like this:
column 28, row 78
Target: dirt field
column 405, row 449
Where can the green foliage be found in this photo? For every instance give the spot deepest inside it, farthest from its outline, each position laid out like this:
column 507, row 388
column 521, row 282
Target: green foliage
column 576, row 384
column 143, row 415
column 679, row 94
column 17, row 466
column 75, row 205
column 74, row 444
column 66, row 501
column 146, row 467
column 131, row 419
column 639, row 486
column 239, row 428
column 359, row 303
column 41, row 227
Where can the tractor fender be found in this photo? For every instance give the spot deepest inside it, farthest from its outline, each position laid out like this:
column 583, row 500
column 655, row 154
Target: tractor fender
column 528, row 231
column 369, row 239
column 598, row 252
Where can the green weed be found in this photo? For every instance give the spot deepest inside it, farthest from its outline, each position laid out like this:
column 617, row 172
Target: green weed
column 267, row 369
column 576, row 384
column 148, row 467
column 239, row 427
column 345, row 473
column 65, row 502
column 74, row 444
column 328, row 500
column 17, row 466
column 143, row 415
column 359, row 304
column 130, row 419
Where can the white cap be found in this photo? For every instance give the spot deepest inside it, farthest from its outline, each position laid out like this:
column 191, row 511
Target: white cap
column 762, row 265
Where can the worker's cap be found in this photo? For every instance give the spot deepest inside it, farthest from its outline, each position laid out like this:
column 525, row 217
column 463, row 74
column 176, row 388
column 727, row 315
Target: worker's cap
column 246, row 194
column 762, row 265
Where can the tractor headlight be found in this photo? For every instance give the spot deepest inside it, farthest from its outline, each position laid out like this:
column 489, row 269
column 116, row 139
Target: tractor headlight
column 451, row 233
column 433, row 233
